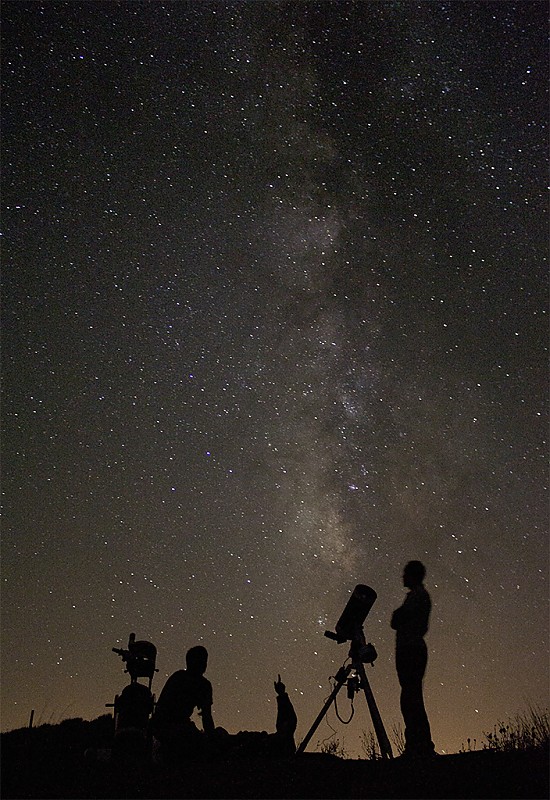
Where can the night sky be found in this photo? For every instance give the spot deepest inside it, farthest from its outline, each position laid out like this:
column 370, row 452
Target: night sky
column 274, row 323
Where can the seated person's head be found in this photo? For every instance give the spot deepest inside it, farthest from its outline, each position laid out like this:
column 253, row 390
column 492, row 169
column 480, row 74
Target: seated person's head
column 196, row 659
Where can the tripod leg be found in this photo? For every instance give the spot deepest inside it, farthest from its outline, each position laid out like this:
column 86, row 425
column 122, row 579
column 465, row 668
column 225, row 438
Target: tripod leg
column 383, row 741
column 341, row 678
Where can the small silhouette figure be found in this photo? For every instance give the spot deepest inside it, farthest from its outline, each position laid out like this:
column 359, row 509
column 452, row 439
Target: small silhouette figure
column 410, row 622
column 287, row 720
column 260, row 743
column 184, row 691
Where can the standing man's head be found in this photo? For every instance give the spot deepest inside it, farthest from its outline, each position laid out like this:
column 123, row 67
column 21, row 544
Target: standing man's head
column 413, row 574
column 196, row 659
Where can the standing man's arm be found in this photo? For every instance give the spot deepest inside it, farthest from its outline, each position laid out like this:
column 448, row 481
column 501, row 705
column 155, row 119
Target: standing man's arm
column 401, row 615
column 396, row 619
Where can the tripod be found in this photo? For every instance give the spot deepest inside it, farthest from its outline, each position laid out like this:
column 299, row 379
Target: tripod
column 359, row 652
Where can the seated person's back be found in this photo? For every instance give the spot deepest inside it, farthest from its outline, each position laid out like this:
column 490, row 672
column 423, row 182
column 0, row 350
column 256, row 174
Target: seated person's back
column 183, row 692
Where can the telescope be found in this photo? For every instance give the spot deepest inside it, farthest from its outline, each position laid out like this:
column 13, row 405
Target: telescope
column 140, row 658
column 350, row 625
column 349, row 628
column 134, row 706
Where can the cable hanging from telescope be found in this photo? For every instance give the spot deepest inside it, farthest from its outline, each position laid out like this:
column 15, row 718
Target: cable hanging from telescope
column 343, row 721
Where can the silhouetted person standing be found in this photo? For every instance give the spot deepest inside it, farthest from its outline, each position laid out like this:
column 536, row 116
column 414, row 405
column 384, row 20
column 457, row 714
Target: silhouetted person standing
column 184, row 691
column 410, row 622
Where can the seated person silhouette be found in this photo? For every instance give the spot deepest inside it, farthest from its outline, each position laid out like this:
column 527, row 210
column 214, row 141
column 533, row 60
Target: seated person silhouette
column 184, row 691
column 260, row 743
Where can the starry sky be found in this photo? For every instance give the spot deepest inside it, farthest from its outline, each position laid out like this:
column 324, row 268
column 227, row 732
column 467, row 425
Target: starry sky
column 274, row 323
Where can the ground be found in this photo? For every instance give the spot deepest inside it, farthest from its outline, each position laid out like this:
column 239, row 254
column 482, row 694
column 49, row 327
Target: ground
column 50, row 762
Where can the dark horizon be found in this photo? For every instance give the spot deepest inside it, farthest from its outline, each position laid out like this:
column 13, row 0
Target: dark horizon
column 57, row 768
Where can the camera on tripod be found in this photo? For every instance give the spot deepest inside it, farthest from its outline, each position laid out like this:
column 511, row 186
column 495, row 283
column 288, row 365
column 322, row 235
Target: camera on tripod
column 140, row 658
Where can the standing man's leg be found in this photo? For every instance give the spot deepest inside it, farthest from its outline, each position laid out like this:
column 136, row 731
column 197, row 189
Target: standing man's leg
column 411, row 665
